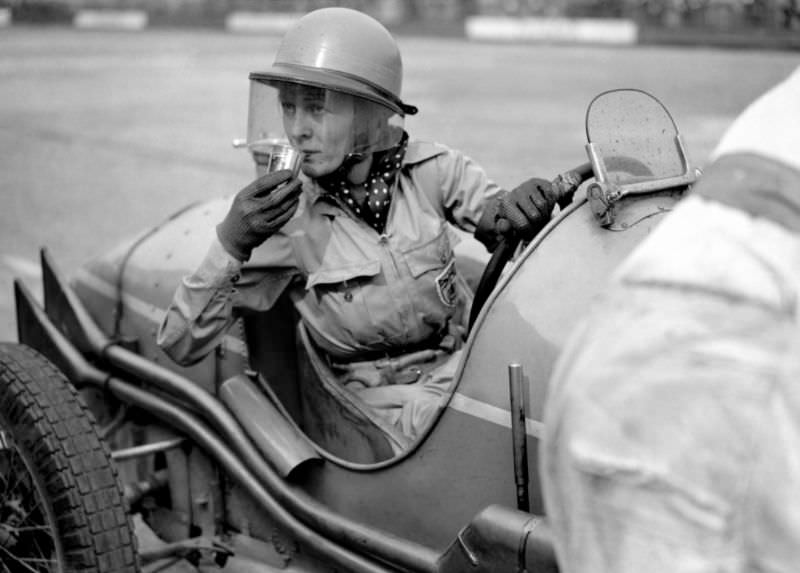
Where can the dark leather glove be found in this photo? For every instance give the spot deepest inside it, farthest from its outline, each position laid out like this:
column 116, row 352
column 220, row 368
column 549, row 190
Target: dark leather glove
column 257, row 212
column 527, row 209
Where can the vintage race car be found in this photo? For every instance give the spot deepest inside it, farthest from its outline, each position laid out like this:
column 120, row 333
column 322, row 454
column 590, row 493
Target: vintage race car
column 254, row 459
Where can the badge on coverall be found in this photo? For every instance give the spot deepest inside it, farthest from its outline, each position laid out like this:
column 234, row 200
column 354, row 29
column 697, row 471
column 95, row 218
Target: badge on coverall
column 446, row 284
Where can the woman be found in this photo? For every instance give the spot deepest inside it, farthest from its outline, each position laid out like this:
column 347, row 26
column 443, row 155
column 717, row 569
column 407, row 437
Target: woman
column 360, row 239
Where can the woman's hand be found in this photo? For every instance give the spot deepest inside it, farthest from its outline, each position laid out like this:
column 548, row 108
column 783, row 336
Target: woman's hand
column 527, row 209
column 258, row 212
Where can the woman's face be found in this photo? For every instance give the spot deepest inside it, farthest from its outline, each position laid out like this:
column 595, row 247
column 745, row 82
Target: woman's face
column 319, row 123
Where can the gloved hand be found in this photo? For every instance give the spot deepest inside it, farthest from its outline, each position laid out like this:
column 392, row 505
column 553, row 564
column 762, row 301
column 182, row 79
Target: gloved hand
column 527, row 209
column 257, row 212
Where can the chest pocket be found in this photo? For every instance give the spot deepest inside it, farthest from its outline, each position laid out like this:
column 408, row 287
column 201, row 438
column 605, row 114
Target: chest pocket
column 331, row 275
column 432, row 255
column 432, row 265
column 340, row 298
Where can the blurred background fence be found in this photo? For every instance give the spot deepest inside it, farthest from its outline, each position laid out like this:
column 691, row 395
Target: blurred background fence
column 765, row 17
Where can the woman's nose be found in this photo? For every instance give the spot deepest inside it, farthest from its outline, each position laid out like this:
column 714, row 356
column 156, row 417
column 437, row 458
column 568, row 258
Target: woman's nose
column 299, row 127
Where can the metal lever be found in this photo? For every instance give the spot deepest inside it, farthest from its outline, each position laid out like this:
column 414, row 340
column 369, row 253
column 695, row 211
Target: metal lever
column 519, row 439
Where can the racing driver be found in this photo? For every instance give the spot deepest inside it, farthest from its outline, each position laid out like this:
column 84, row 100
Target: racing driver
column 360, row 238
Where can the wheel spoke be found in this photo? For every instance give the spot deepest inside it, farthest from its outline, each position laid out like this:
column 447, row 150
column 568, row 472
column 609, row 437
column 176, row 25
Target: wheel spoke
column 42, row 527
column 39, row 549
column 24, row 511
column 17, row 470
column 34, row 506
column 13, row 462
column 9, row 482
column 26, row 561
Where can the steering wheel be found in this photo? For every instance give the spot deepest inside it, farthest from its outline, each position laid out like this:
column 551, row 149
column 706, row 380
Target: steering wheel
column 565, row 185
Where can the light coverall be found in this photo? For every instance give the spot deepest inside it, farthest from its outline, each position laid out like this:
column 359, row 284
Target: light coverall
column 362, row 296
column 672, row 428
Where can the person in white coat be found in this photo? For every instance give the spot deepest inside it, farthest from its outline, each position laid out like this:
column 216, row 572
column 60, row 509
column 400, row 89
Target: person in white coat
column 672, row 429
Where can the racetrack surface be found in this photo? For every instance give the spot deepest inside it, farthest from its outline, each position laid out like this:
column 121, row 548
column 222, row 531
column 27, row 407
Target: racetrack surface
column 103, row 134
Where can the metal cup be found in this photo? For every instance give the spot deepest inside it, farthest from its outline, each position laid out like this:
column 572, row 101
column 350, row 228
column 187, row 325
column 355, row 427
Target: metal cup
column 275, row 155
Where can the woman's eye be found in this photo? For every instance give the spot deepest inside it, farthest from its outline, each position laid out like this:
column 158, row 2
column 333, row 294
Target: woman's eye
column 288, row 108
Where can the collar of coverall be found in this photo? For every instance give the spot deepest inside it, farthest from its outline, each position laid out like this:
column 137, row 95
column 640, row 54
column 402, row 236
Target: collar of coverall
column 416, row 152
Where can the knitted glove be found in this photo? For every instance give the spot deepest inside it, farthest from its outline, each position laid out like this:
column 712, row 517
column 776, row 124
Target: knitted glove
column 258, row 212
column 527, row 209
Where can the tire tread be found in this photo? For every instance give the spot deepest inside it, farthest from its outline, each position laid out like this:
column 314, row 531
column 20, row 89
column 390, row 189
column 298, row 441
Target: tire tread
column 82, row 483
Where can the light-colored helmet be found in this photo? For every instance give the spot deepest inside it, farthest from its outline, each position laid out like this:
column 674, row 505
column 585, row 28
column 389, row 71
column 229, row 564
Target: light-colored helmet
column 344, row 50
column 336, row 59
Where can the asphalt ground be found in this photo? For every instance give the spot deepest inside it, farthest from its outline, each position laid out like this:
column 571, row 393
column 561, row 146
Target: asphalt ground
column 103, row 134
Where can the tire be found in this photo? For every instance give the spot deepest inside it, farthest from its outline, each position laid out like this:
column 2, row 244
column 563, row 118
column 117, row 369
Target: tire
column 61, row 503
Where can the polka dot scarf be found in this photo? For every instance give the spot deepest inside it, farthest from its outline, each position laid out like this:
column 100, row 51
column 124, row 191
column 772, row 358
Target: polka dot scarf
column 371, row 200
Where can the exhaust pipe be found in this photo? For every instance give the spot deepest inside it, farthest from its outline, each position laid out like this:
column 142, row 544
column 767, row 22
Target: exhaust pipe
column 36, row 328
column 67, row 311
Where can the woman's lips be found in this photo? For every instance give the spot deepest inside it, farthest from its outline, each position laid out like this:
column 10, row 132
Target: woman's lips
column 308, row 156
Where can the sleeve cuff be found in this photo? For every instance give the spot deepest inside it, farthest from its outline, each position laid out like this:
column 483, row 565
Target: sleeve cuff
column 486, row 231
column 217, row 268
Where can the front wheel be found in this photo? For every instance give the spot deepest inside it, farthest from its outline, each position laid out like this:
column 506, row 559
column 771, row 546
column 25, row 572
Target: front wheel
column 61, row 503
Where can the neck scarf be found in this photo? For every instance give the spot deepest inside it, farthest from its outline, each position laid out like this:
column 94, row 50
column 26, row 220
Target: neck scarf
column 370, row 200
